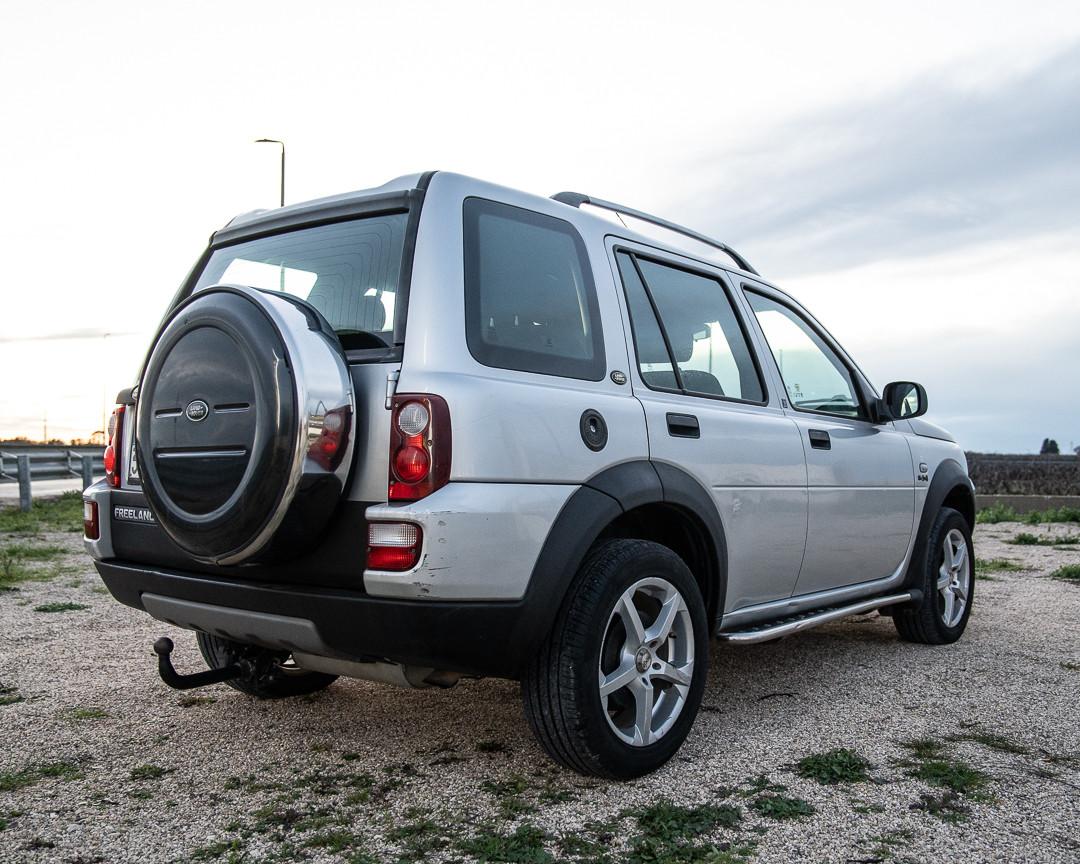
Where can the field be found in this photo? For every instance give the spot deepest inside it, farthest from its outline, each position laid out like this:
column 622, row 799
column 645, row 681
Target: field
column 842, row 744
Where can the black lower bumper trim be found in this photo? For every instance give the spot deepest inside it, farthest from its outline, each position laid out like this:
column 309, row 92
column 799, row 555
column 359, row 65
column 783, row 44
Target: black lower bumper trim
column 477, row 638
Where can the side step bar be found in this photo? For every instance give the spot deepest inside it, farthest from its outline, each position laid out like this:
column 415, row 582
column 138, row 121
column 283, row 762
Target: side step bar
column 814, row 618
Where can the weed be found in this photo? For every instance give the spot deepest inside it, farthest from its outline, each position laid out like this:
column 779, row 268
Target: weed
column 884, row 845
column 759, row 784
column 668, row 822
column 60, row 607
column 89, row 714
column 9, row 695
column 149, row 772
column 33, row 551
column 524, row 846
column 948, row 806
column 419, row 839
column 491, row 747
column 1001, row 513
column 509, row 791
column 11, row 781
column 782, row 807
column 1068, row 573
column 862, row 807
column 836, row 766
column 955, row 775
column 1068, row 665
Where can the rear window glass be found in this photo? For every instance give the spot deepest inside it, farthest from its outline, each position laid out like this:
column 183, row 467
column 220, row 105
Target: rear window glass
column 349, row 271
column 530, row 302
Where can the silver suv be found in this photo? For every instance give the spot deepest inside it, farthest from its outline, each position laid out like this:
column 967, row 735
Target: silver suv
column 442, row 428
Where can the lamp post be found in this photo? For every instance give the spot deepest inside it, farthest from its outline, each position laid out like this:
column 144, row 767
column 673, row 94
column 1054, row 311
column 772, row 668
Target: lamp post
column 282, row 143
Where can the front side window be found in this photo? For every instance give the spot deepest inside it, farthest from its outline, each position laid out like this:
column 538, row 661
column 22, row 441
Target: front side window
column 530, row 301
column 815, row 377
column 698, row 346
column 349, row 271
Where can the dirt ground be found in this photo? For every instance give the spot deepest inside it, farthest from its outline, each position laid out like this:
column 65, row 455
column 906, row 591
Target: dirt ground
column 968, row 752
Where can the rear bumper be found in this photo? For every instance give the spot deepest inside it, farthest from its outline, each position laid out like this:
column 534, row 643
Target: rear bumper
column 479, row 638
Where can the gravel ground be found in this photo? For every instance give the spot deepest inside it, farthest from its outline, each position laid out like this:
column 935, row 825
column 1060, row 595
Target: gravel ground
column 103, row 763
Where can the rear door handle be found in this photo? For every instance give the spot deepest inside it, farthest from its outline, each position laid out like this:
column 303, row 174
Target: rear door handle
column 819, row 439
column 683, row 426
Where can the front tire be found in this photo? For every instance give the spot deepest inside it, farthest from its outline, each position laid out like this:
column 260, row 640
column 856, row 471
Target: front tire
column 947, row 582
column 275, row 677
column 615, row 688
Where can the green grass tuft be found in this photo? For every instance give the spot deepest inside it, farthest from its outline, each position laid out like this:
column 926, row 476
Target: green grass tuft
column 89, row 714
column 12, row 781
column 1001, row 513
column 1026, row 539
column 836, row 766
column 1068, row 573
column 958, row 776
column 924, row 748
column 149, row 772
column 948, row 806
column 996, row 564
column 60, row 607
column 524, row 846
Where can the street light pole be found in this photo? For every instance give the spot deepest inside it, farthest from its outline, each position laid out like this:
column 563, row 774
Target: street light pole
column 282, row 143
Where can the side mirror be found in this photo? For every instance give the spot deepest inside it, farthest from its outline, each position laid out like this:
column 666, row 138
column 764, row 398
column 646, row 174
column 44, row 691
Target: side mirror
column 905, row 400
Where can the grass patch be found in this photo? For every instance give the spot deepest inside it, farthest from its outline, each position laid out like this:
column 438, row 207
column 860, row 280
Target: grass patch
column 89, row 714
column 508, row 792
column 420, row 838
column 1068, row 573
column 60, row 607
column 983, row 565
column 9, row 695
column 524, row 846
column 1026, row 539
column 33, row 551
column 64, row 513
column 885, row 845
column 1001, row 513
column 782, row 807
column 836, row 766
column 669, row 822
column 231, row 850
column 149, row 772
column 1067, row 665
column 333, row 841
column 12, row 781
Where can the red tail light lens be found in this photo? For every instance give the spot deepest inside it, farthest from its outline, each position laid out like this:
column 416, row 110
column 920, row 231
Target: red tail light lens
column 91, row 528
column 113, row 457
column 328, row 441
column 419, row 446
column 393, row 545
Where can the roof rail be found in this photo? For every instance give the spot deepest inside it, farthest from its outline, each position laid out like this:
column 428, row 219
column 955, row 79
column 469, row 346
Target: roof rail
column 576, row 199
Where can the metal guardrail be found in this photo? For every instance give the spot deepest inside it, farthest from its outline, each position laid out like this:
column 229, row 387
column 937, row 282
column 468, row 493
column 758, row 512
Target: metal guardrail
column 25, row 467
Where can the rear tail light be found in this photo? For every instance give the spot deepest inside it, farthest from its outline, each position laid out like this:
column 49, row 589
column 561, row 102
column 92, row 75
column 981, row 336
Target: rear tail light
column 91, row 526
column 113, row 457
column 393, row 545
column 328, row 438
column 419, row 446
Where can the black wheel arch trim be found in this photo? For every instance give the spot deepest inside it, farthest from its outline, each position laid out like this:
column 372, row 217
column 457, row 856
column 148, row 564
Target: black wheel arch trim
column 950, row 479
column 601, row 500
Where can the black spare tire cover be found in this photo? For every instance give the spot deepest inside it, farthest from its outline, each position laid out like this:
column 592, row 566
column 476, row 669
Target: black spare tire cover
column 244, row 425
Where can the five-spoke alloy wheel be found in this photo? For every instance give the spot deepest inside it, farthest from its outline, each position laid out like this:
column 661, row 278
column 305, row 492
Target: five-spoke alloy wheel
column 614, row 689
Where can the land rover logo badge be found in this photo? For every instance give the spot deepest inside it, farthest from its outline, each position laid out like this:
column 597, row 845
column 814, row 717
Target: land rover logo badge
column 197, row 411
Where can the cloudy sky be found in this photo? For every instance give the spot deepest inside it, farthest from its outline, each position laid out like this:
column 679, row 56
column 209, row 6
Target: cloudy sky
column 910, row 172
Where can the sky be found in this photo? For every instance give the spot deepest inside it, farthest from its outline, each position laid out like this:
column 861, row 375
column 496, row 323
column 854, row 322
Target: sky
column 910, row 172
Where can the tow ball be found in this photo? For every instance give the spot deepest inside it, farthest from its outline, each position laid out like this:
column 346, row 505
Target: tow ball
column 164, row 648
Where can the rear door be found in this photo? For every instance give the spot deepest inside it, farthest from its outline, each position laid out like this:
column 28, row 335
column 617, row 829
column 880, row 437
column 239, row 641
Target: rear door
column 860, row 474
column 709, row 412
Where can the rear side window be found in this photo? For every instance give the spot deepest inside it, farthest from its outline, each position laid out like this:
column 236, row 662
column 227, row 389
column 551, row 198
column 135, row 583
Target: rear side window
column 349, row 271
column 530, row 301
column 699, row 345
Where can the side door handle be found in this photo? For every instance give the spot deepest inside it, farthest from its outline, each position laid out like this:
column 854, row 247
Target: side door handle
column 683, row 426
column 819, row 439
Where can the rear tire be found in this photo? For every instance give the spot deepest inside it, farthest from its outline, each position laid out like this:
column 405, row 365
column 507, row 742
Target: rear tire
column 276, row 676
column 947, row 581
column 615, row 688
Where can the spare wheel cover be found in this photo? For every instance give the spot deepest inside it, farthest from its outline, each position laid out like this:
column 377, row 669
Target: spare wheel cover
column 232, row 404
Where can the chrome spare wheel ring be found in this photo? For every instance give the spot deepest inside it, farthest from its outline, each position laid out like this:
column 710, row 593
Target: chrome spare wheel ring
column 954, row 578
column 646, row 661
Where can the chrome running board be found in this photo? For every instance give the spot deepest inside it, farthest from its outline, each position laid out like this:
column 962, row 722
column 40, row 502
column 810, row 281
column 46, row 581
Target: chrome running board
column 813, row 618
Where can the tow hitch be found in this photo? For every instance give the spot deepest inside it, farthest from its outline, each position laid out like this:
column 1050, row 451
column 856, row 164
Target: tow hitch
column 164, row 648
